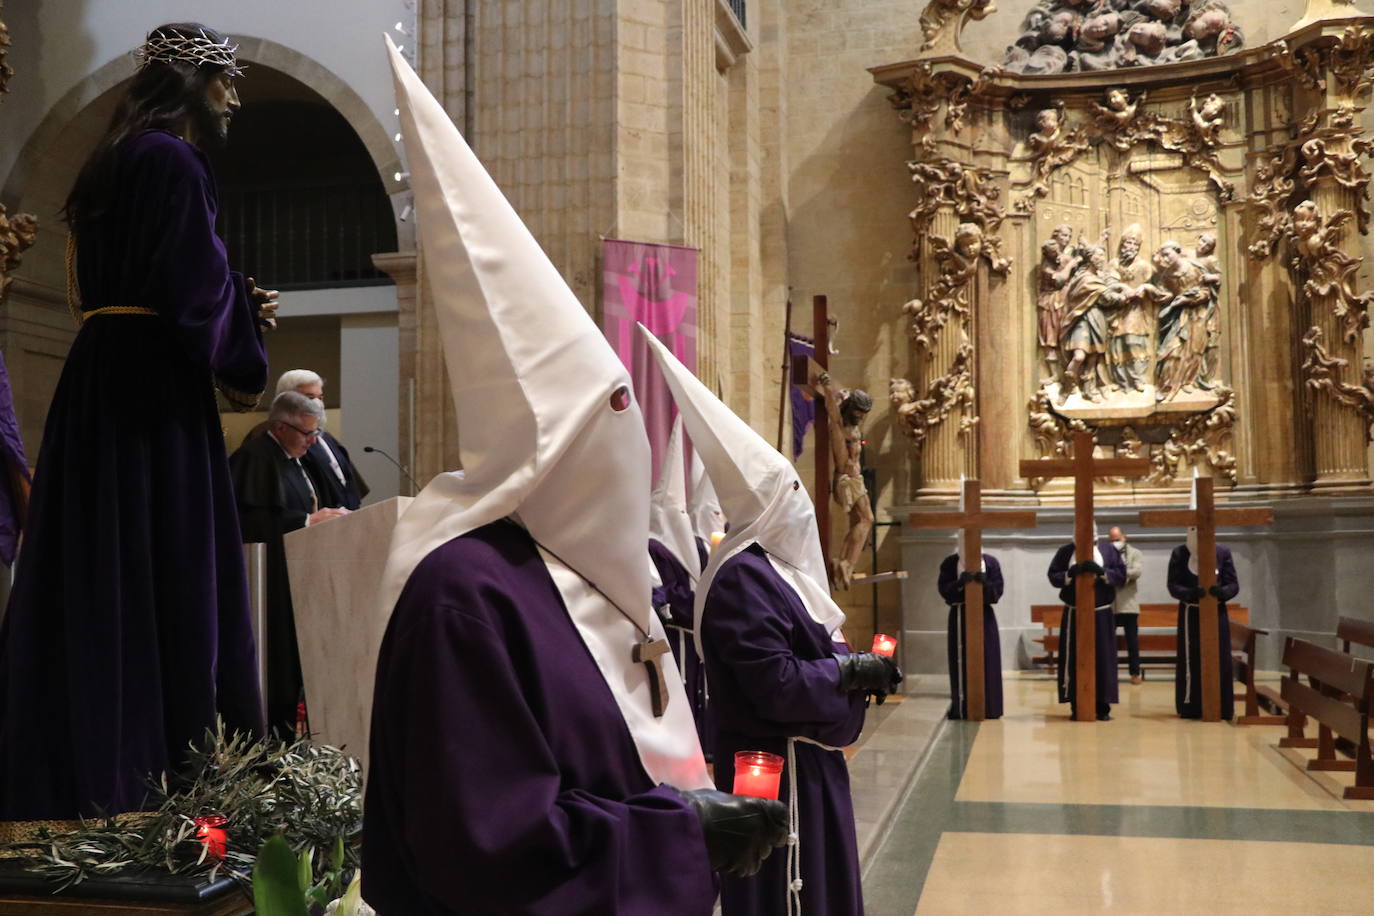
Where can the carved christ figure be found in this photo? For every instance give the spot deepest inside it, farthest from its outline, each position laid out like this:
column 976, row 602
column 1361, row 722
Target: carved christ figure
column 845, row 411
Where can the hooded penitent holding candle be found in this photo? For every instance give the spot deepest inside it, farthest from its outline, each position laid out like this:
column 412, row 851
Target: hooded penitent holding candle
column 781, row 679
column 1183, row 585
column 527, row 754
column 677, row 565
column 953, row 576
column 1111, row 575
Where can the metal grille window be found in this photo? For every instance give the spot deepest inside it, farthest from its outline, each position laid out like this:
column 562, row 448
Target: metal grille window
column 737, row 7
column 304, row 237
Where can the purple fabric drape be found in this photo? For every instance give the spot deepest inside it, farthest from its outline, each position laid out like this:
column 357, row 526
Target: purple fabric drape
column 803, row 406
column 11, row 460
column 656, row 286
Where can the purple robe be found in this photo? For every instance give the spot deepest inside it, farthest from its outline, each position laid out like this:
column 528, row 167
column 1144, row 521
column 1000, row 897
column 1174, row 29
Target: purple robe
column 676, row 592
column 953, row 593
column 1188, row 667
column 1113, row 577
column 504, row 779
column 128, row 628
column 12, row 467
column 772, row 676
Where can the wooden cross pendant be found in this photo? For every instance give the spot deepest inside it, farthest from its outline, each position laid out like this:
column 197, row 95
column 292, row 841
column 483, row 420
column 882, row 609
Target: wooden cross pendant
column 649, row 654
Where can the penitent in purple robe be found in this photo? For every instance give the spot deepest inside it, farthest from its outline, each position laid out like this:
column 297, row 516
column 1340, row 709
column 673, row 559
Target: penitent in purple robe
column 128, row 628
column 1104, row 589
column 504, row 779
column 953, row 593
column 676, row 592
column 1188, row 667
column 773, row 677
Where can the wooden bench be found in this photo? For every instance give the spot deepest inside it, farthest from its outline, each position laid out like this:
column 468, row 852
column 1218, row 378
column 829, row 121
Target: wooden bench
column 1243, row 637
column 1332, row 676
column 1350, row 630
column 1152, row 616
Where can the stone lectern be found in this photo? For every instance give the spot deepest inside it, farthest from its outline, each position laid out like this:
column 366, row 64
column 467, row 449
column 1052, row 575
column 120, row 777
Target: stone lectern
column 336, row 569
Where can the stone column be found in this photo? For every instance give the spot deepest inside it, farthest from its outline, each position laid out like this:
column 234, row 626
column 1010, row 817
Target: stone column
column 942, row 455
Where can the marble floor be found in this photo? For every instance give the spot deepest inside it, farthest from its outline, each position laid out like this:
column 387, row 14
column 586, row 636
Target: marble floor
column 1146, row 813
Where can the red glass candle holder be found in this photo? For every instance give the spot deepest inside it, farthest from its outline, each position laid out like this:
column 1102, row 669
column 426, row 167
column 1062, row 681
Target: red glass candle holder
column 884, row 644
column 210, row 831
column 757, row 773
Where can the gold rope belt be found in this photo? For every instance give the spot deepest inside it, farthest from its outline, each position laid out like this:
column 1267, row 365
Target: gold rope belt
column 118, row 310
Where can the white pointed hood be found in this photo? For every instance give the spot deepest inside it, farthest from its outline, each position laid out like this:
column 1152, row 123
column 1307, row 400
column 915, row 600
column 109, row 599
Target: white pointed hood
column 759, row 492
column 548, row 429
column 669, row 522
column 703, row 505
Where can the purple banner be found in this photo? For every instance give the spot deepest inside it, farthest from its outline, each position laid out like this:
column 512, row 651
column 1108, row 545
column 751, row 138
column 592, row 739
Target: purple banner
column 654, row 285
column 12, row 468
column 800, row 349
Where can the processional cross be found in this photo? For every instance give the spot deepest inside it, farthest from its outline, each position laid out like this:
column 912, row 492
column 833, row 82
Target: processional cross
column 1083, row 467
column 650, row 654
column 1205, row 516
column 972, row 520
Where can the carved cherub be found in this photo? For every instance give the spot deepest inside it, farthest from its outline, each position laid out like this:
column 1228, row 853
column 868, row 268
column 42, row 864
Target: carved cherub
column 1207, row 118
column 1116, row 116
column 1330, row 271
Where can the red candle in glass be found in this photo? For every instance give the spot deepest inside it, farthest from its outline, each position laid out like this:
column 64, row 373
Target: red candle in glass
column 757, row 773
column 884, row 644
column 210, row 830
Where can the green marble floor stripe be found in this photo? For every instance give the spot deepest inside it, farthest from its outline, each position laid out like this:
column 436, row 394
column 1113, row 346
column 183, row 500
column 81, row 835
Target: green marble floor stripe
column 897, row 872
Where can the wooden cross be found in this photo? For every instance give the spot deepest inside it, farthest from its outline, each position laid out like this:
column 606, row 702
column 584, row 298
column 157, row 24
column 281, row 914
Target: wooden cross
column 1206, row 517
column 649, row 654
column 972, row 521
column 1083, row 467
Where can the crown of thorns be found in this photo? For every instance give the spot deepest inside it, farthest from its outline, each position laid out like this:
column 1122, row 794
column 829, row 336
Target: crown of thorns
column 199, row 49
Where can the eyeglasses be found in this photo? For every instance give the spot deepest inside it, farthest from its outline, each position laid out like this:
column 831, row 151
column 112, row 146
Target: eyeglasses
column 307, row 433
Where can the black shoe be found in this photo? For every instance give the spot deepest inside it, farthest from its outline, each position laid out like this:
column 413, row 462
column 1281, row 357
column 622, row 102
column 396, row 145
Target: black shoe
column 1104, row 717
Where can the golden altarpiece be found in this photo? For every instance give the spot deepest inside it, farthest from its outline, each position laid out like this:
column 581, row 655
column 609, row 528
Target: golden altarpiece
column 1166, row 256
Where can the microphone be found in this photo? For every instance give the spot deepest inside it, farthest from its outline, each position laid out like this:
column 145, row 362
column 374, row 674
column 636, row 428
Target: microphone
column 415, row 486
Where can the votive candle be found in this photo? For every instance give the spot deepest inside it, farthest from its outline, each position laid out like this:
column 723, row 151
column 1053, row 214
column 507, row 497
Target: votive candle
column 884, row 644
column 757, row 773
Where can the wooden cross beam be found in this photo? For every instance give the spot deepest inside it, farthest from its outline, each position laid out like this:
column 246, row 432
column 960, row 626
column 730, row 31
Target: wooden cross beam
column 1206, row 517
column 1083, row 468
column 972, row 520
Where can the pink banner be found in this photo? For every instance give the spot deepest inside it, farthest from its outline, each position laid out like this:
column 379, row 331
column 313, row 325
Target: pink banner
column 654, row 285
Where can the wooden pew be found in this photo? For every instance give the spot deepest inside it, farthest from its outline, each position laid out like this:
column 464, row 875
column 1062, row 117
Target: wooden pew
column 1243, row 639
column 1331, row 675
column 1152, row 616
column 1350, row 630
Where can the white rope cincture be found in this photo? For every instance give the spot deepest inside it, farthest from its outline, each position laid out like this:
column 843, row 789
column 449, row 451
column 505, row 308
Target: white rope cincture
column 794, row 877
column 200, row 50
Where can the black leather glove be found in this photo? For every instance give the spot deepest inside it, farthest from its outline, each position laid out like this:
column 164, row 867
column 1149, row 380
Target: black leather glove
column 1215, row 591
column 1195, row 595
column 868, row 672
column 740, row 830
column 968, row 576
column 1087, row 566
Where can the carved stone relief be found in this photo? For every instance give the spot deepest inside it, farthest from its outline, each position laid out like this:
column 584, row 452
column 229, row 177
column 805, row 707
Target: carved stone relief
column 6, row 71
column 17, row 235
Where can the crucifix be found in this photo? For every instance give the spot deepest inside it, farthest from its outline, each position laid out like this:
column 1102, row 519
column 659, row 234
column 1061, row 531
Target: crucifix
column 1083, row 467
column 972, row 520
column 650, row 655
column 1206, row 517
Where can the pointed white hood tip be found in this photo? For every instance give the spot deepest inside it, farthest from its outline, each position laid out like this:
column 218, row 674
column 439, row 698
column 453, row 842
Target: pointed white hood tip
column 703, row 505
column 549, row 431
column 759, row 491
column 669, row 522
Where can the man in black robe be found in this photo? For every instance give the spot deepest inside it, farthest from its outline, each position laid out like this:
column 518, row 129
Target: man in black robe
column 1110, row 574
column 331, row 469
column 276, row 495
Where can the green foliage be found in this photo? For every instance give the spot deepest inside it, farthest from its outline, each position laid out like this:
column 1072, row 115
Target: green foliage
column 276, row 891
column 309, row 795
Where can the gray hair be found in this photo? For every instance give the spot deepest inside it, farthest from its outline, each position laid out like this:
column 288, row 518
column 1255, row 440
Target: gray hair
column 292, row 405
column 292, row 379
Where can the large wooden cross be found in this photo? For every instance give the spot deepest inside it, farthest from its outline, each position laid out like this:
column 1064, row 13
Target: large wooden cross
column 1083, row 467
column 972, row 520
column 1206, row 517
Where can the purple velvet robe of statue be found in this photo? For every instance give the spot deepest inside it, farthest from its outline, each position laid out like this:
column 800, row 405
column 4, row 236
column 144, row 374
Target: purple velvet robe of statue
column 503, row 777
column 128, row 628
column 772, row 676
column 677, row 594
column 1113, row 577
column 12, row 469
column 953, row 592
column 1188, row 667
